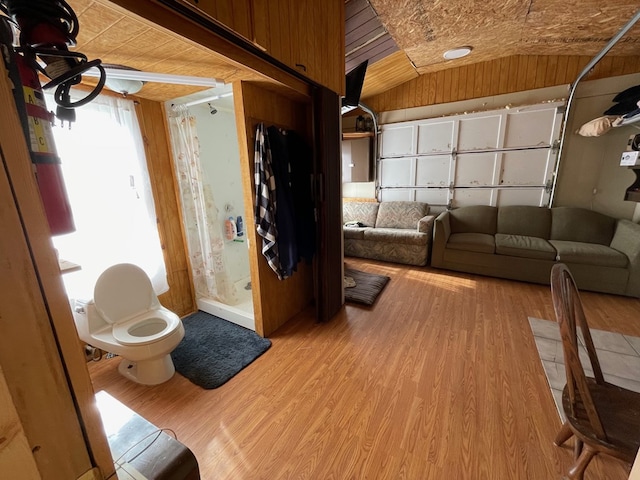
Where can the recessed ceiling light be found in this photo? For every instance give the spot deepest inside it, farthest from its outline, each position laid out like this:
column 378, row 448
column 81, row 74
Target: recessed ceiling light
column 458, row 52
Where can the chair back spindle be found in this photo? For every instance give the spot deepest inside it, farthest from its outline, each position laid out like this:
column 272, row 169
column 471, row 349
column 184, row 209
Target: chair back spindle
column 570, row 315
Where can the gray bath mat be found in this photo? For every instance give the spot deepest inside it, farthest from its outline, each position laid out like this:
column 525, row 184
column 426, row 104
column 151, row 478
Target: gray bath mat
column 213, row 350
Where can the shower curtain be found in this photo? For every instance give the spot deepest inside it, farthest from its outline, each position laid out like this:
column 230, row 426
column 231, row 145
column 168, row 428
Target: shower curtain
column 203, row 227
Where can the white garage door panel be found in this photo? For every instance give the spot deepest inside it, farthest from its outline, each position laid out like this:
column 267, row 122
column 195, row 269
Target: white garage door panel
column 435, row 137
column 433, row 196
column 397, row 172
column 517, row 196
column 399, row 194
column 525, row 167
column 481, row 133
column 530, row 128
column 433, row 171
column 475, row 169
column 397, row 141
column 468, row 196
column 498, row 157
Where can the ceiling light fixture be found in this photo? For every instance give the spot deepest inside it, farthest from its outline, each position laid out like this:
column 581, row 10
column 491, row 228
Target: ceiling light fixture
column 122, row 74
column 457, row 52
column 125, row 87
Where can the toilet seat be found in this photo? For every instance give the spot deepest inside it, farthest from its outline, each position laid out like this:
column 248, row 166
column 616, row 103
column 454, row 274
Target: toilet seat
column 124, row 297
column 161, row 324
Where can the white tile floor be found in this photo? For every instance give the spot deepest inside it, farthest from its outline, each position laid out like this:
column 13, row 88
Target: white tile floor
column 619, row 357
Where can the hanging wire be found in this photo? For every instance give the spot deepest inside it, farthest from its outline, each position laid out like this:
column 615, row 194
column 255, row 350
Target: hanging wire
column 47, row 29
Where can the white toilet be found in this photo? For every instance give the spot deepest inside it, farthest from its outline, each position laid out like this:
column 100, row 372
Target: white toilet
column 126, row 318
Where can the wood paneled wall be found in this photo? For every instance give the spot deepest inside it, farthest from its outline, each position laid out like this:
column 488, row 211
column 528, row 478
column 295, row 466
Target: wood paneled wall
column 396, row 67
column 306, row 35
column 153, row 124
column 15, row 453
column 274, row 301
column 40, row 354
column 504, row 75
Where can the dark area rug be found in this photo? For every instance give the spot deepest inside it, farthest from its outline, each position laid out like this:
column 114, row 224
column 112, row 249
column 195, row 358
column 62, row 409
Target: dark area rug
column 368, row 286
column 213, row 350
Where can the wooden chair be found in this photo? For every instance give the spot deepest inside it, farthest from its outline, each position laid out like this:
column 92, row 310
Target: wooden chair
column 603, row 417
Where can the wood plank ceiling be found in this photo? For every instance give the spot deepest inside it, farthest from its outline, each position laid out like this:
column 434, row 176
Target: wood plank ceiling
column 407, row 38
column 118, row 37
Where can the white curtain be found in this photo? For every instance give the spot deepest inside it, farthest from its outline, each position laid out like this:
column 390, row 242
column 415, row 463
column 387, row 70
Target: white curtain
column 107, row 181
column 200, row 214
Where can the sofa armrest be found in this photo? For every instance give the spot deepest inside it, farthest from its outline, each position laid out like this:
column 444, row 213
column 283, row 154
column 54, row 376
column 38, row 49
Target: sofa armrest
column 441, row 233
column 425, row 224
column 626, row 239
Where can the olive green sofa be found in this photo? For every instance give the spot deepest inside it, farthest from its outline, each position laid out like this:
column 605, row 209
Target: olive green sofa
column 523, row 243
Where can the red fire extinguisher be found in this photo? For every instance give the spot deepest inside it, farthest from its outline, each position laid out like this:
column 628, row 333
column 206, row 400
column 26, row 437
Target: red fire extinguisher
column 38, row 121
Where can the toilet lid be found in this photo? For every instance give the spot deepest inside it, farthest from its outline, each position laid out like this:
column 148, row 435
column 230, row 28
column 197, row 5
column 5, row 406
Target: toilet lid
column 123, row 291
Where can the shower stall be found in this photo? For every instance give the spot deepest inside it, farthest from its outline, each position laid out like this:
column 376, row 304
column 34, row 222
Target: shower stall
column 221, row 183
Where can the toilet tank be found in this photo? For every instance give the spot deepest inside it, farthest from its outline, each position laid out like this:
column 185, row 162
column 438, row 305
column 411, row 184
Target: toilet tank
column 86, row 318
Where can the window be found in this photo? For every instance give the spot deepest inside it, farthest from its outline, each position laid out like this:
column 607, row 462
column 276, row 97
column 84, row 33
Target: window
column 107, row 182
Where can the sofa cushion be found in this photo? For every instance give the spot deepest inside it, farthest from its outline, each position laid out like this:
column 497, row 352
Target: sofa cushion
column 589, row 254
column 574, row 224
column 396, row 235
column 524, row 246
column 524, row 220
column 355, row 233
column 473, row 242
column 363, row 212
column 474, row 219
column 401, row 214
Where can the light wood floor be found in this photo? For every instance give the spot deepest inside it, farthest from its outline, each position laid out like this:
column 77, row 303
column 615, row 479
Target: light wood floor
column 440, row 379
